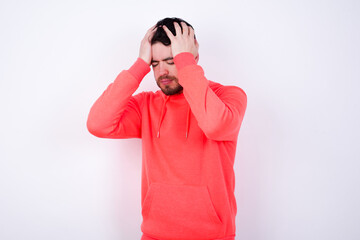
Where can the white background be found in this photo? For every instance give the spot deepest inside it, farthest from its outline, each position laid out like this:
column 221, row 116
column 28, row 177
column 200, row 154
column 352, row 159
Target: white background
column 297, row 164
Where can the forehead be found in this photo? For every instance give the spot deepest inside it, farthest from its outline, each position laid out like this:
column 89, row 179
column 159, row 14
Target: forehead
column 160, row 51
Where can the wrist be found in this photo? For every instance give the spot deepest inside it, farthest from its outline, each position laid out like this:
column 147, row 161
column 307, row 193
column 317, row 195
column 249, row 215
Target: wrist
column 146, row 60
column 184, row 59
column 139, row 69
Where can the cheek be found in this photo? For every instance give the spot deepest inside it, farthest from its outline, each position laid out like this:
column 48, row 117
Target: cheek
column 156, row 73
column 173, row 70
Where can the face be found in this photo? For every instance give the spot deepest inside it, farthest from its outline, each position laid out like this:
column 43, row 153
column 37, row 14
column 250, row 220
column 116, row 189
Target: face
column 165, row 71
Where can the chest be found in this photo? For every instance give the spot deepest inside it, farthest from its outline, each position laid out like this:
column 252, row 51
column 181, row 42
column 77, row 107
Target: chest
column 172, row 122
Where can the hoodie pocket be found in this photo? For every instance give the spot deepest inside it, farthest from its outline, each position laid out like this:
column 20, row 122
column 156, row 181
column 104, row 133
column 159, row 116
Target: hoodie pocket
column 179, row 212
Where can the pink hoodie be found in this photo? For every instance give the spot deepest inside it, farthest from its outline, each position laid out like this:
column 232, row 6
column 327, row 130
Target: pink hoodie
column 189, row 144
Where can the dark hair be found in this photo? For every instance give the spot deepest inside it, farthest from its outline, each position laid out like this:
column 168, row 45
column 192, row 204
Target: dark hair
column 160, row 34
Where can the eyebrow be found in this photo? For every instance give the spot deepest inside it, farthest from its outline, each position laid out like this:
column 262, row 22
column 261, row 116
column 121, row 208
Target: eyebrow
column 166, row 59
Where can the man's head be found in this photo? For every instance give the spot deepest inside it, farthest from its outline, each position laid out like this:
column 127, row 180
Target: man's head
column 161, row 36
column 165, row 71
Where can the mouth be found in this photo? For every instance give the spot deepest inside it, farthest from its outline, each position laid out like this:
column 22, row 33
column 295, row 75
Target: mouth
column 166, row 81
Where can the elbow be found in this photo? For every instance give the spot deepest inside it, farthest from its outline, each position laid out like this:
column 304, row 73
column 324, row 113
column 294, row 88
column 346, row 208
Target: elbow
column 213, row 135
column 222, row 132
column 94, row 128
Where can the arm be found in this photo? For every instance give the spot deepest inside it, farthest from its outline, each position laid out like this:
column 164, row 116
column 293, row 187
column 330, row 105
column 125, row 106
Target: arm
column 116, row 113
column 219, row 113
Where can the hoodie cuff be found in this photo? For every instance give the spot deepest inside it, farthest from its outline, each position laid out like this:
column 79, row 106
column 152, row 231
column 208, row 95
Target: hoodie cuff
column 139, row 69
column 184, row 59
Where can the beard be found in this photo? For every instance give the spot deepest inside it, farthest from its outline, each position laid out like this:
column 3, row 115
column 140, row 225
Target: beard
column 169, row 89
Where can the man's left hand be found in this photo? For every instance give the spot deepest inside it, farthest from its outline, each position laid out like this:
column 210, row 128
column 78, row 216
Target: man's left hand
column 183, row 41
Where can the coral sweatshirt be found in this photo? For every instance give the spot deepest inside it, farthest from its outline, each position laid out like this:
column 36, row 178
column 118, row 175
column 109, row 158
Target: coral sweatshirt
column 188, row 145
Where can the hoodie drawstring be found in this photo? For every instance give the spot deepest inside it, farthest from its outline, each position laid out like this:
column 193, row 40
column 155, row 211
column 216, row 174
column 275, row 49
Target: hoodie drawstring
column 162, row 114
column 187, row 122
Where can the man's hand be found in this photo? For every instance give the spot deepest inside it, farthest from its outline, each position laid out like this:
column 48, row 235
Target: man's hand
column 182, row 42
column 145, row 47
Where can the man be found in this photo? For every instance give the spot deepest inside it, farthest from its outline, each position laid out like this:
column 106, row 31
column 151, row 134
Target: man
column 189, row 132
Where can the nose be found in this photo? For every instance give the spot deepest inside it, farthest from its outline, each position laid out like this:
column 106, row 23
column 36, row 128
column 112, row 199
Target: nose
column 163, row 69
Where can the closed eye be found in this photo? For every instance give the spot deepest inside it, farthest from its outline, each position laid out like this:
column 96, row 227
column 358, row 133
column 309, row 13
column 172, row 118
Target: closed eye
column 155, row 63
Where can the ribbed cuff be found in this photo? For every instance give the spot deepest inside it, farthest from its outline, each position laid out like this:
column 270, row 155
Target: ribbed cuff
column 139, row 69
column 184, row 59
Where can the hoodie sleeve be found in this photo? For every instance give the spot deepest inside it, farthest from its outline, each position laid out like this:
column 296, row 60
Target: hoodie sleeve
column 219, row 113
column 116, row 113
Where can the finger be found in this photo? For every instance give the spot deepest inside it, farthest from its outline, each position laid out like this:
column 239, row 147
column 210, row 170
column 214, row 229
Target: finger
column 185, row 28
column 168, row 32
column 191, row 33
column 177, row 29
column 150, row 32
column 197, row 44
column 152, row 28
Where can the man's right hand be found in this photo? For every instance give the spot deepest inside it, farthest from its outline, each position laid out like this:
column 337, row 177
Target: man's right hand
column 145, row 47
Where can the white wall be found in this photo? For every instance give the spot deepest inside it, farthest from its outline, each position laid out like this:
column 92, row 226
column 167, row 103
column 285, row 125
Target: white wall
column 297, row 164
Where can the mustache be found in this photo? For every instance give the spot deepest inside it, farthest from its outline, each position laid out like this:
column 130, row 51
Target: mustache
column 166, row 77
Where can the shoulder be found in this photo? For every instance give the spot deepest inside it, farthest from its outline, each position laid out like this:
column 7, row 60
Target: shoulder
column 227, row 90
